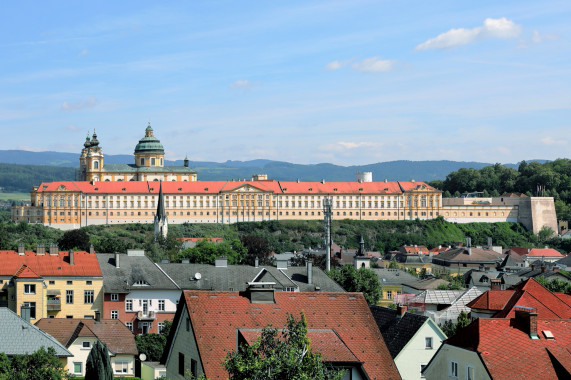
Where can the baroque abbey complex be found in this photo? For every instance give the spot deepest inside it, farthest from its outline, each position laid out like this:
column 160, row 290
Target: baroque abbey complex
column 129, row 193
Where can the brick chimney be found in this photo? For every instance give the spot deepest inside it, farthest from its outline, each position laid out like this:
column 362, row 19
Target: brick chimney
column 71, row 257
column 543, row 269
column 496, row 284
column 555, row 269
column 401, row 310
column 528, row 321
column 40, row 250
column 91, row 249
column 21, row 249
column 54, row 249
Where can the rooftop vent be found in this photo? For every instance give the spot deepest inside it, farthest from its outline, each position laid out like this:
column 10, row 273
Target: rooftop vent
column 221, row 262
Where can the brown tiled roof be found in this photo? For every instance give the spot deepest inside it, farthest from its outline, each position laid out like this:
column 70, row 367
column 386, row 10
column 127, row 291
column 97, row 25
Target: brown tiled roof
column 464, row 254
column 491, row 300
column 508, row 352
column 111, row 332
column 216, row 315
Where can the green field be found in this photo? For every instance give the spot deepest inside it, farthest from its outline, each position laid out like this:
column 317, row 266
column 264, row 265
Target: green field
column 14, row 196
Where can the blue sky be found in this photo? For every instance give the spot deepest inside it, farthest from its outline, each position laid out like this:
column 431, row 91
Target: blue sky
column 346, row 82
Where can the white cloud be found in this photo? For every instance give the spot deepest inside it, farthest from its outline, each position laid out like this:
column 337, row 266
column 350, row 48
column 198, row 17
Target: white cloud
column 83, row 52
column 243, row 84
column 550, row 141
column 71, row 128
column 353, row 145
column 492, row 28
column 373, row 65
column 336, row 65
column 74, row 106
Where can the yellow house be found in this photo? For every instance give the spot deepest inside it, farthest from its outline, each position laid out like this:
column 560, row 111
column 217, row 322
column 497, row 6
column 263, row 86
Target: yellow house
column 392, row 281
column 52, row 284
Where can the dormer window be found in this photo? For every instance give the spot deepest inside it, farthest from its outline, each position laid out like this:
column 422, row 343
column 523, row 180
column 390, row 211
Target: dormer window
column 141, row 283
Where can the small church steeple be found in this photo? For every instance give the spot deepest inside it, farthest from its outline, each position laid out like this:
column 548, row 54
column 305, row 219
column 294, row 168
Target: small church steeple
column 161, row 220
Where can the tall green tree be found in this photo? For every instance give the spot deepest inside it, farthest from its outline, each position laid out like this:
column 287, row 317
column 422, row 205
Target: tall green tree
column 363, row 280
column 98, row 364
column 74, row 239
column 280, row 355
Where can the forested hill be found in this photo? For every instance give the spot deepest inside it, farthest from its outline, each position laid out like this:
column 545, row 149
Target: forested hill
column 20, row 170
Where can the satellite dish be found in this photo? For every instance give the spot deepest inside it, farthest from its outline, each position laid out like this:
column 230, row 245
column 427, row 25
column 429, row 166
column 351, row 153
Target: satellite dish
column 197, row 276
column 143, row 357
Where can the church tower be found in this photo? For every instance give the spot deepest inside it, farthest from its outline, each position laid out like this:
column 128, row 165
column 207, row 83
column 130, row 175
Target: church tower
column 94, row 160
column 149, row 152
column 161, row 220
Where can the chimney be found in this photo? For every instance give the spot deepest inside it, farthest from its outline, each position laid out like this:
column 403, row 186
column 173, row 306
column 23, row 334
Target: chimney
column 185, row 261
column 469, row 251
column 91, row 249
column 71, row 257
column 532, row 266
column 256, row 262
column 53, row 249
column 281, row 264
column 21, row 250
column 496, row 284
column 309, row 266
column 340, row 253
column 555, row 269
column 25, row 313
column 221, row 262
column 543, row 269
column 527, row 318
column 401, row 310
column 98, row 316
column 322, row 181
column 40, row 250
column 117, row 260
column 261, row 295
column 468, row 242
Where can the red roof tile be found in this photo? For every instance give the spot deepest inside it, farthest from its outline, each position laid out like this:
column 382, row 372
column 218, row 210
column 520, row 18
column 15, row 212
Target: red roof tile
column 215, row 315
column 85, row 264
column 326, row 342
column 25, row 272
column 544, row 252
column 527, row 294
column 508, row 352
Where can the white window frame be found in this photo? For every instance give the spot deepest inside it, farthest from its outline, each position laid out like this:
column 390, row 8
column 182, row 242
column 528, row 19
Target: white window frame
column 124, row 367
column 468, row 368
column 160, row 327
column 114, row 314
column 80, row 368
column 84, row 347
column 428, row 343
column 129, row 325
column 129, row 305
column 29, row 288
column 453, row 369
column 162, row 304
column 114, row 297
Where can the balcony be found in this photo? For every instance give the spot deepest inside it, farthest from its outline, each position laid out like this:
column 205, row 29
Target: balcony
column 148, row 316
column 54, row 304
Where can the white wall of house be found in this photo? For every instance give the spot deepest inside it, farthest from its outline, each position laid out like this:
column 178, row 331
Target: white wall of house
column 417, row 352
column 80, row 353
column 171, row 298
column 442, row 364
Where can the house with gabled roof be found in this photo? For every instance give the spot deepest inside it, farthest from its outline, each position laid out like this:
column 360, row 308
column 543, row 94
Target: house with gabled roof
column 209, row 324
column 528, row 294
column 532, row 254
column 137, row 291
column 52, row 283
column 412, row 339
column 459, row 260
column 523, row 346
column 19, row 337
column 79, row 336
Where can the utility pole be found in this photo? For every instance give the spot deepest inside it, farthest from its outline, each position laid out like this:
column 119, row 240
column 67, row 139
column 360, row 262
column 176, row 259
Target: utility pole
column 327, row 204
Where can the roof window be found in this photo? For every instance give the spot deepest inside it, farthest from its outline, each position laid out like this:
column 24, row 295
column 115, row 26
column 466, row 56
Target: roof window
column 548, row 334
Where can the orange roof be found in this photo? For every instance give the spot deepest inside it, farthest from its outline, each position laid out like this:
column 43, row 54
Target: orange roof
column 25, row 272
column 215, row 316
column 200, row 239
column 85, row 264
column 527, row 294
column 349, row 187
column 544, row 252
column 508, row 352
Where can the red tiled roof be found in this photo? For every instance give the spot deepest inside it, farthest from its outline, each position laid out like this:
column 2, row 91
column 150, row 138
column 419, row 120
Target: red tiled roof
column 491, row 300
column 326, row 342
column 85, row 264
column 25, row 272
column 527, row 294
column 520, row 250
column 508, row 352
column 349, row 187
column 216, row 315
column 414, row 249
column 544, row 252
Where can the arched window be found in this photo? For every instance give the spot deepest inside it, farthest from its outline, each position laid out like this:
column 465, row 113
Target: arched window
column 95, row 164
column 153, row 162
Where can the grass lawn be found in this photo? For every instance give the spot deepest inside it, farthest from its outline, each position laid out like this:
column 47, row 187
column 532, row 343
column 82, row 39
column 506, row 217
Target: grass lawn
column 14, row 196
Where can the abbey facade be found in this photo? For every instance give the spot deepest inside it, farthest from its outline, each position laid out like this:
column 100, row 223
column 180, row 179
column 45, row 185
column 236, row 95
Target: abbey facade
column 115, row 194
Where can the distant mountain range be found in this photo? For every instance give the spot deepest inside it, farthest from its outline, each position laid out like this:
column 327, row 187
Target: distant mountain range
column 393, row 171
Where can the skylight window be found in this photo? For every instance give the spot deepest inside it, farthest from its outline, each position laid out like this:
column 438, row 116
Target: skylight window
column 548, row 334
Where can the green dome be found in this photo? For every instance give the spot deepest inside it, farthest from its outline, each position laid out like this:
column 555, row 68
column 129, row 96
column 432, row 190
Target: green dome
column 149, row 145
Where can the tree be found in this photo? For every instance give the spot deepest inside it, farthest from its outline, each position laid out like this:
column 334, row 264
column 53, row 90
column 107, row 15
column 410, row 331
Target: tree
column 98, row 365
column 450, row 328
column 363, row 280
column 279, row 355
column 545, row 233
column 301, row 258
column 206, row 252
column 41, row 365
column 151, row 345
column 74, row 239
column 555, row 285
column 256, row 247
